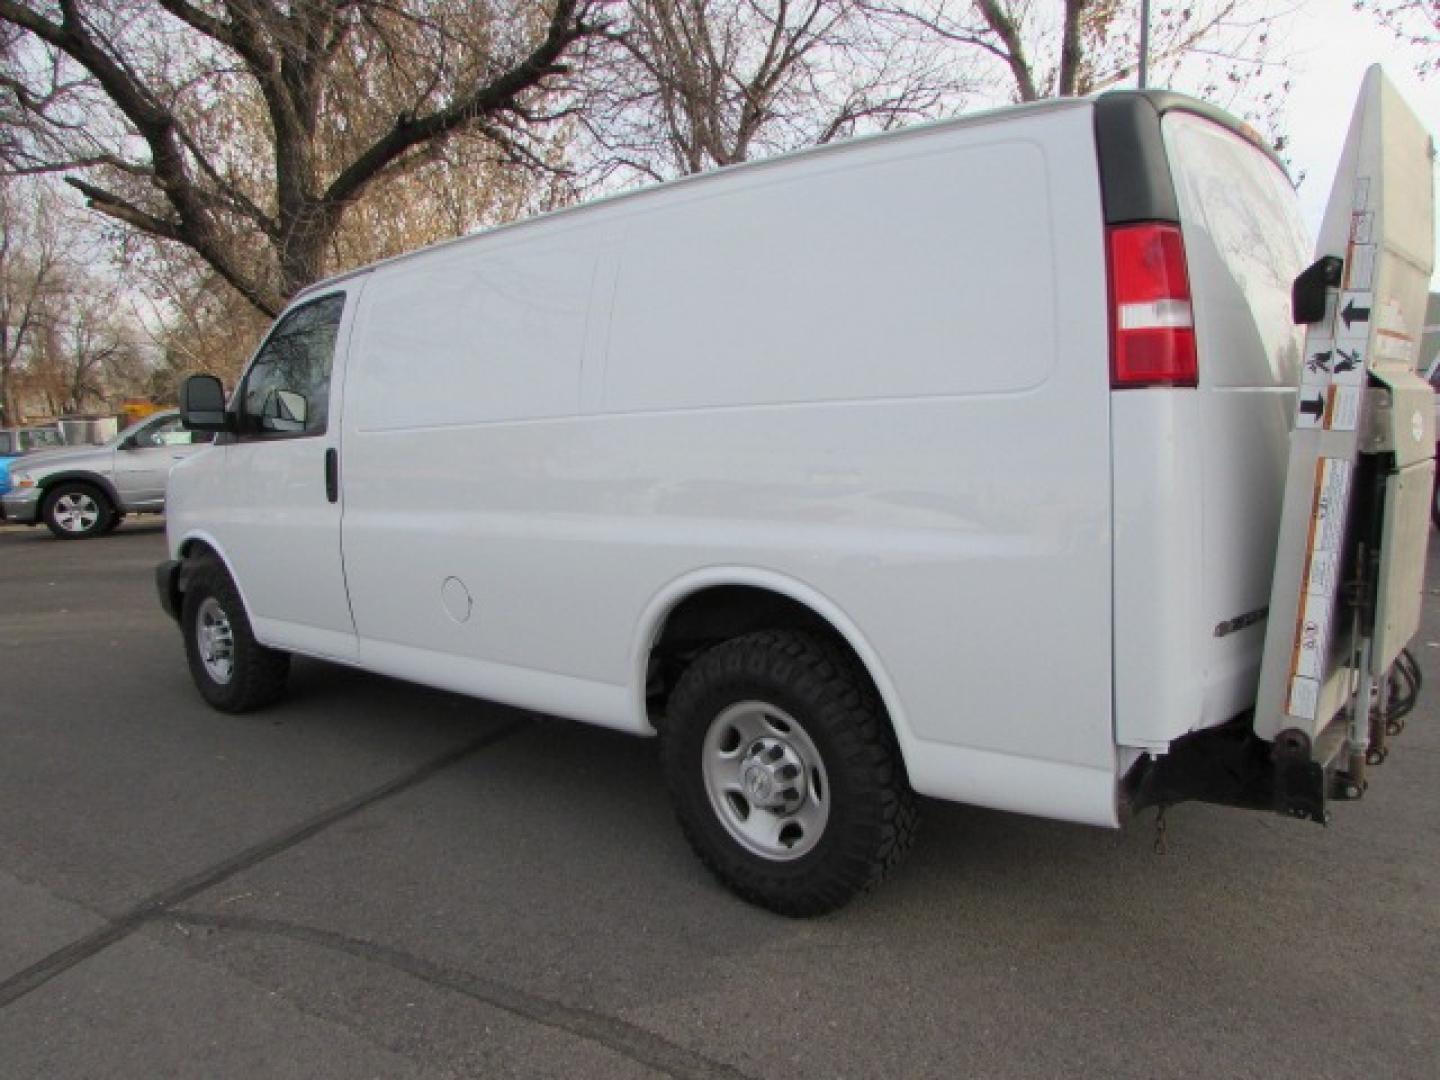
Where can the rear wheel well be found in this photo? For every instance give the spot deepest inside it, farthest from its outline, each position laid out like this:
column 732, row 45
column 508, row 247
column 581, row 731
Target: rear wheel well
column 719, row 613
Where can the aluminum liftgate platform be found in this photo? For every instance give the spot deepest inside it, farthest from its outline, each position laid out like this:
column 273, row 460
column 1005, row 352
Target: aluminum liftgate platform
column 1350, row 558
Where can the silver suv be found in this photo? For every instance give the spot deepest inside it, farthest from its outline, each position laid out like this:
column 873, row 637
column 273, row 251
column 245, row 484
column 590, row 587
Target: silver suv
column 82, row 491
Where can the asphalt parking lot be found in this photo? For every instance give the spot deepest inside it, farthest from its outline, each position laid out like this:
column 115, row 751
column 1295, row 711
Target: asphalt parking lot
column 374, row 879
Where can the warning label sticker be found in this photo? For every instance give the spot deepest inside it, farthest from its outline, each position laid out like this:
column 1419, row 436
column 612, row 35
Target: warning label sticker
column 1332, row 494
column 1360, row 267
column 1342, row 411
column 1362, row 226
column 1362, row 192
column 1304, row 697
column 1347, row 365
column 1324, row 573
column 1321, row 580
column 1314, row 637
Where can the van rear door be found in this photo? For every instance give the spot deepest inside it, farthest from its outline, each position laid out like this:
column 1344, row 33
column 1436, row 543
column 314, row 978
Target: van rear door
column 1199, row 467
column 1245, row 243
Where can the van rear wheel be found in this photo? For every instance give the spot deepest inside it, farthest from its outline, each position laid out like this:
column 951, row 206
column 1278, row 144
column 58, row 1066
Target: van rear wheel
column 232, row 671
column 784, row 772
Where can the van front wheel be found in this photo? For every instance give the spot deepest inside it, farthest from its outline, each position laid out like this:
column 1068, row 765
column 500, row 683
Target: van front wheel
column 232, row 671
column 784, row 772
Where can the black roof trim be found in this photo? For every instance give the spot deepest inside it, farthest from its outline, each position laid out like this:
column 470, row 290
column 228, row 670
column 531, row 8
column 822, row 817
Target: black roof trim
column 1135, row 176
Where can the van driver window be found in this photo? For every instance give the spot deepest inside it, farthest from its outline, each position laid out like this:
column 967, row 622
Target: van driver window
column 288, row 388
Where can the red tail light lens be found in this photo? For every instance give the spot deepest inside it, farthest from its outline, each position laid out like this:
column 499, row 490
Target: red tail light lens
column 1152, row 327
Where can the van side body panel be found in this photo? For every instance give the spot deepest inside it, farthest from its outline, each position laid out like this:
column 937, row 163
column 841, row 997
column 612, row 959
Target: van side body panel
column 876, row 375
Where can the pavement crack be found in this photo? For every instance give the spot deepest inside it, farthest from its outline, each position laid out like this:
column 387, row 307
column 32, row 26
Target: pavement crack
column 620, row 1036
column 156, row 904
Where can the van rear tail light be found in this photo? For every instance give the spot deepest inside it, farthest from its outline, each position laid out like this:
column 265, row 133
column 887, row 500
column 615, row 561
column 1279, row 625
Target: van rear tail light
column 1152, row 327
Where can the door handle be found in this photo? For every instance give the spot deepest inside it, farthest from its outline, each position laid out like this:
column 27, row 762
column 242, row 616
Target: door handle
column 332, row 475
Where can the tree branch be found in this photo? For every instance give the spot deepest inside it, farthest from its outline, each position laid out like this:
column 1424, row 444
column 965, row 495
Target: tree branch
column 565, row 27
column 1007, row 29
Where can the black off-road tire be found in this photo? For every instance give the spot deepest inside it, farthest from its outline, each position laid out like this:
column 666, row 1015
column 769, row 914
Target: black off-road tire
column 76, row 494
column 873, row 812
column 258, row 674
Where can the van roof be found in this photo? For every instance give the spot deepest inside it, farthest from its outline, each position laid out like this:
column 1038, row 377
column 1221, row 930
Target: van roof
column 1157, row 101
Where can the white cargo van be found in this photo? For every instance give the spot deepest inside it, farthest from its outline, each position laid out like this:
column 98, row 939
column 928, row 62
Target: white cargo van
column 947, row 462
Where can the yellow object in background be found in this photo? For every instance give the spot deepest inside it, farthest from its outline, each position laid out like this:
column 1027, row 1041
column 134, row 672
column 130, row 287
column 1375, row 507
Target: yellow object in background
column 135, row 410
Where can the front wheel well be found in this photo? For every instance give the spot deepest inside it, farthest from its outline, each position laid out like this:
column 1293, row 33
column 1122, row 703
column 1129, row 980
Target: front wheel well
column 195, row 553
column 719, row 613
column 195, row 548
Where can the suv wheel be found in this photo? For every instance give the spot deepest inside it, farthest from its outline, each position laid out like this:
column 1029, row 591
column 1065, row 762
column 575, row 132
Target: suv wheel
column 75, row 511
column 232, row 671
column 784, row 772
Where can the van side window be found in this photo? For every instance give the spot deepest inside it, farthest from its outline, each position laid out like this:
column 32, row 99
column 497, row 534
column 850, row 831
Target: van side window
column 287, row 390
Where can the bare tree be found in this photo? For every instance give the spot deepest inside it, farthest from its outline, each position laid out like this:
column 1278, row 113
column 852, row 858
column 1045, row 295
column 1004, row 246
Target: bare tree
column 195, row 323
column 89, row 355
column 1415, row 22
column 32, row 280
column 1075, row 47
column 698, row 83
column 142, row 103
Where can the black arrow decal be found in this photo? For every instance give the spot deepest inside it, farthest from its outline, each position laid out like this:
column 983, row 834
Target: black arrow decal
column 1312, row 406
column 1347, row 361
column 1351, row 313
column 1319, row 362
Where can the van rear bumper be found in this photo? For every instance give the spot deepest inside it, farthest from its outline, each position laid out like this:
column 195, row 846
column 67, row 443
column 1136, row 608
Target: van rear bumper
column 1296, row 776
column 1230, row 765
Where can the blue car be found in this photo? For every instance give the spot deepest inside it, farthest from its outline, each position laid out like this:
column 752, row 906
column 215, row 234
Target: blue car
column 15, row 443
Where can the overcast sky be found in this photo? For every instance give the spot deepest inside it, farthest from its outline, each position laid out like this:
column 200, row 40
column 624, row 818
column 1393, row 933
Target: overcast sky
column 1331, row 45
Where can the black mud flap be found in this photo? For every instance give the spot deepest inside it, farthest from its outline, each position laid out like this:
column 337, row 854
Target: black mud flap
column 167, row 584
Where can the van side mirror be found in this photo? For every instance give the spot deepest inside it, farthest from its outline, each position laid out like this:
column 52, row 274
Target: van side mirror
column 202, row 404
column 1307, row 295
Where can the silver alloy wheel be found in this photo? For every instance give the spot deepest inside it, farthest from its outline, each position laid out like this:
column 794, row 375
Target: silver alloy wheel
column 216, row 640
column 766, row 780
column 76, row 512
